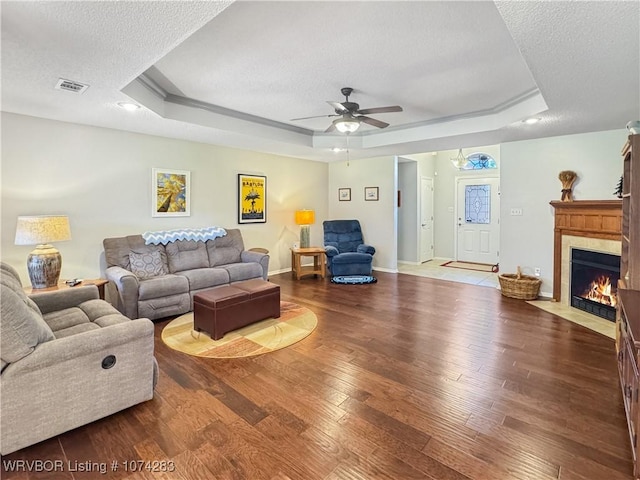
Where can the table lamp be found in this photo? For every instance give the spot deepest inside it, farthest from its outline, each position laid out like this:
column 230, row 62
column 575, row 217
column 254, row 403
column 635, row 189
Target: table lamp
column 44, row 263
column 304, row 218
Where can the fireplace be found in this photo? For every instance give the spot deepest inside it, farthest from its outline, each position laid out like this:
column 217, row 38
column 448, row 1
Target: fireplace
column 593, row 282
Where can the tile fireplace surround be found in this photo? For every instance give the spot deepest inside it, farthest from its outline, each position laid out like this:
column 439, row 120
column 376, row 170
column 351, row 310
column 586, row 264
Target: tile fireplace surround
column 591, row 225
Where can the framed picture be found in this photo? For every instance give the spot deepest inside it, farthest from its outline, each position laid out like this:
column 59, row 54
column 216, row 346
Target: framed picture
column 371, row 194
column 170, row 193
column 344, row 194
column 252, row 198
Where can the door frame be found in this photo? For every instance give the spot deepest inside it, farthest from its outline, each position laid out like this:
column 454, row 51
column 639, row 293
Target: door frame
column 457, row 179
column 420, row 231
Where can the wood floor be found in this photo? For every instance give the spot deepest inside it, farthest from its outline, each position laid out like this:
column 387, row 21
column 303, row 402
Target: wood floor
column 409, row 378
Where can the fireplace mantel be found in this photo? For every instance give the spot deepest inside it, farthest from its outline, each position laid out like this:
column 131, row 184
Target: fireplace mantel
column 600, row 219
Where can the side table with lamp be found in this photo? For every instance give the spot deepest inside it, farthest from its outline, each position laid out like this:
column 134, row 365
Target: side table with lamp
column 305, row 218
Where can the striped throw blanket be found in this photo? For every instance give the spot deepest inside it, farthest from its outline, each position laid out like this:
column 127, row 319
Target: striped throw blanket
column 198, row 234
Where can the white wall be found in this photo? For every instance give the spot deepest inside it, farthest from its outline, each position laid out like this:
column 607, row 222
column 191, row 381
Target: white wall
column 445, row 195
column 529, row 180
column 101, row 178
column 377, row 219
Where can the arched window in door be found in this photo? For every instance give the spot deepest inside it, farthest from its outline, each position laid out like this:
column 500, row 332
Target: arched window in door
column 479, row 161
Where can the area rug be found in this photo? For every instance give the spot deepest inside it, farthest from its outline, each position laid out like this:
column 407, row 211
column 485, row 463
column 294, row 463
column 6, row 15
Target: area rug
column 295, row 323
column 353, row 279
column 478, row 267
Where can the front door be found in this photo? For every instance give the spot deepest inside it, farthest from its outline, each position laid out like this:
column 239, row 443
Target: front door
column 426, row 219
column 478, row 220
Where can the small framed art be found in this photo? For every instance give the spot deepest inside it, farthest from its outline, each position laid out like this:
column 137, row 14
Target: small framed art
column 344, row 194
column 252, row 198
column 171, row 193
column 371, row 194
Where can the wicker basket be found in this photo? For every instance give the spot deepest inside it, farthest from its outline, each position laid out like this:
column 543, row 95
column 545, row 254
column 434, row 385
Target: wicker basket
column 523, row 287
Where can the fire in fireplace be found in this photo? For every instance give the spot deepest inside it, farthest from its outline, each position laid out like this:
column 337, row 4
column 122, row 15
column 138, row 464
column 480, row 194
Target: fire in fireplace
column 594, row 280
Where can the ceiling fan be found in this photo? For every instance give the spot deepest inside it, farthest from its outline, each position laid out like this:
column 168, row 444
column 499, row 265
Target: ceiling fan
column 351, row 115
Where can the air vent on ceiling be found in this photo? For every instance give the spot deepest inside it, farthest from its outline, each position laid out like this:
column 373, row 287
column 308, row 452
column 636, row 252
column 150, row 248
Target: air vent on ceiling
column 71, row 86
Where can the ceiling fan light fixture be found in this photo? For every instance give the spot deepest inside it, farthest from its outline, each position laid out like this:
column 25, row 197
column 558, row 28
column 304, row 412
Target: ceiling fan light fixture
column 346, row 124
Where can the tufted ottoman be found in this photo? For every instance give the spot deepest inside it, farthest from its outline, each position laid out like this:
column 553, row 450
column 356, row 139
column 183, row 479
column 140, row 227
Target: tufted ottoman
column 223, row 309
column 351, row 264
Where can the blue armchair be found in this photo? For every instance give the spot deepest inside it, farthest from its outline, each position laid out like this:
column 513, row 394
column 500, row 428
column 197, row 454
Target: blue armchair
column 347, row 254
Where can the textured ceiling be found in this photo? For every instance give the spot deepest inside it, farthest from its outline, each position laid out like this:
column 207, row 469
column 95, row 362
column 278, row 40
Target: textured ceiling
column 465, row 73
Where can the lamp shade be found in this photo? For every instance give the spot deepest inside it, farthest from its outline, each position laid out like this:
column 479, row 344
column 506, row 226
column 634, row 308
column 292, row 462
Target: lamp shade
column 305, row 217
column 42, row 229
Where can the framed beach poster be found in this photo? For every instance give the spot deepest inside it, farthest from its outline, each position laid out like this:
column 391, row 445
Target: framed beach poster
column 252, row 198
column 170, row 193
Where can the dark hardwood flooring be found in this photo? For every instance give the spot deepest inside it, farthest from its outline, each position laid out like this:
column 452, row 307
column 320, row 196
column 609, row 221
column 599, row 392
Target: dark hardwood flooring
column 409, row 378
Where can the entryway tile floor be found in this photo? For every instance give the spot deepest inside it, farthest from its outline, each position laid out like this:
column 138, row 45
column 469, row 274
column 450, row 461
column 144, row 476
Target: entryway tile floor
column 434, row 269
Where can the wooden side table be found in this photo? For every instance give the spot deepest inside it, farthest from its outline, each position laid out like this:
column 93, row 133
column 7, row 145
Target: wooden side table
column 98, row 282
column 319, row 262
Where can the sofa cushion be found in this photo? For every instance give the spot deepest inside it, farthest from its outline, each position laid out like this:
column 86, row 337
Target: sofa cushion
column 109, row 320
column 206, row 277
column 186, row 255
column 76, row 329
column 68, row 317
column 147, row 264
column 225, row 250
column 243, row 271
column 21, row 323
column 95, row 309
column 116, row 250
column 164, row 286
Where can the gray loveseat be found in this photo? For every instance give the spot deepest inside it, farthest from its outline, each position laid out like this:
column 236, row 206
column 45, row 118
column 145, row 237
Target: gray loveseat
column 157, row 281
column 67, row 358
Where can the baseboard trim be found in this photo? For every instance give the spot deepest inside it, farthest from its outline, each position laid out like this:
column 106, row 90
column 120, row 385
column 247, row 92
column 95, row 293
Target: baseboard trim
column 387, row 270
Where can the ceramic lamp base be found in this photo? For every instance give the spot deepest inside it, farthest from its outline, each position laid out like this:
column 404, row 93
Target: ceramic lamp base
column 44, row 265
column 305, row 237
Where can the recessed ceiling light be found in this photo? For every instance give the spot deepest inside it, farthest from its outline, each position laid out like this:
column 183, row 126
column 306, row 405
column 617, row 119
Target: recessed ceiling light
column 128, row 106
column 532, row 120
column 337, row 149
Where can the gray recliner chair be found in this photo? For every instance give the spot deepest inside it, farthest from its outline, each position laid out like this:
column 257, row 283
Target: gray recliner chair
column 67, row 358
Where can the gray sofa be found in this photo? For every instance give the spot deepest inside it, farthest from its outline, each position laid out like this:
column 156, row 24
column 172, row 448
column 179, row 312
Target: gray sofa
column 157, row 281
column 67, row 358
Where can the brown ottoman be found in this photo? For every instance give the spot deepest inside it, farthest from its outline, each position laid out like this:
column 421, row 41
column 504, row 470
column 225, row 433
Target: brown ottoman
column 264, row 296
column 223, row 309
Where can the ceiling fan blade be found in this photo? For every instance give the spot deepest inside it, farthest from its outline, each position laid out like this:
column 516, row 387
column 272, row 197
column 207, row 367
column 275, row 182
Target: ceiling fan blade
column 338, row 106
column 332, row 128
column 372, row 121
column 367, row 111
column 316, row 116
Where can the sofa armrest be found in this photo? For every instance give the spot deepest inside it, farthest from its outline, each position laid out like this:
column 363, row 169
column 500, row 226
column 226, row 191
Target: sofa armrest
column 61, row 299
column 364, row 248
column 74, row 347
column 127, row 285
column 257, row 257
column 331, row 251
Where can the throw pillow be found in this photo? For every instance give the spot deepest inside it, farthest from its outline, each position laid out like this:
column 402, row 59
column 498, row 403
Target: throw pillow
column 147, row 264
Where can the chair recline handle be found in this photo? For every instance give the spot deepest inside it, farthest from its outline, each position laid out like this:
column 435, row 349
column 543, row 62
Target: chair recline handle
column 108, row 362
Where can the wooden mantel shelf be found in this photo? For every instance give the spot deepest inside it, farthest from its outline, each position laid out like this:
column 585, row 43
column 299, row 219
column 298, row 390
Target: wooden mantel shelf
column 583, row 218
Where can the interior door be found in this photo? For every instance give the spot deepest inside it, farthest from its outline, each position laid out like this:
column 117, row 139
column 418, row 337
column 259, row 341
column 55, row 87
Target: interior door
column 426, row 219
column 478, row 220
